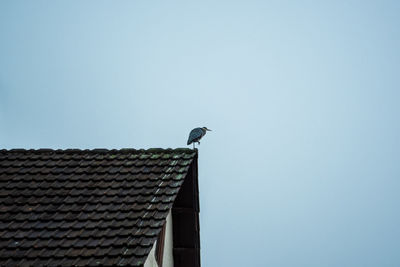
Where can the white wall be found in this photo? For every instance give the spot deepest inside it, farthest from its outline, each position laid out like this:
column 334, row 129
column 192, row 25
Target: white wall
column 168, row 258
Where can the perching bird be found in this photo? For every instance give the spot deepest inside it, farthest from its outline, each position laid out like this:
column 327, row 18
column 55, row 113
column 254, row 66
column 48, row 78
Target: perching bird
column 196, row 134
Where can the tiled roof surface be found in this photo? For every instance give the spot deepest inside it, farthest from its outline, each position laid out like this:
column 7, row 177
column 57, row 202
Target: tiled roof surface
column 86, row 207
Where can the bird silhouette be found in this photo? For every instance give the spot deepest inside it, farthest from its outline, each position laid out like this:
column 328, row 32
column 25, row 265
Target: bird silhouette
column 196, row 134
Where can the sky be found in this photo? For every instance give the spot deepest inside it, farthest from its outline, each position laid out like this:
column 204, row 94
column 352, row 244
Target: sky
column 302, row 166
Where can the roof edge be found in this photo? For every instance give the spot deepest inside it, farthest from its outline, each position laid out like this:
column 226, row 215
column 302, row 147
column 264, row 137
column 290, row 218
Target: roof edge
column 101, row 150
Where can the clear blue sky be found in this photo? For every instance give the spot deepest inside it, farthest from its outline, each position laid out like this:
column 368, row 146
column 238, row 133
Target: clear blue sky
column 302, row 167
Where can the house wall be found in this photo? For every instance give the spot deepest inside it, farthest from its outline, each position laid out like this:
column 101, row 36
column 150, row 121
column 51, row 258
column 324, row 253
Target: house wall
column 168, row 257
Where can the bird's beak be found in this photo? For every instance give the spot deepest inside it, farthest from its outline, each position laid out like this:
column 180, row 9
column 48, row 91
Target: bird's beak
column 209, row 130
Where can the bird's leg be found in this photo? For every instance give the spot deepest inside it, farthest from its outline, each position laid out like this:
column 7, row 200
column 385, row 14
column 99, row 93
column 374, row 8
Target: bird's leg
column 193, row 146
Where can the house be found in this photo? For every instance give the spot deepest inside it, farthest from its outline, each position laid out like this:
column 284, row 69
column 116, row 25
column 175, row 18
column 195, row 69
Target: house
column 99, row 207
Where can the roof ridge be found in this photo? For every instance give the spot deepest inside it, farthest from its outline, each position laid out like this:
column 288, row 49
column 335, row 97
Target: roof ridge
column 100, row 150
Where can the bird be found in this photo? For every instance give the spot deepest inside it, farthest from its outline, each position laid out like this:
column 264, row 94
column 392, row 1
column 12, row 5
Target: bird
column 196, row 134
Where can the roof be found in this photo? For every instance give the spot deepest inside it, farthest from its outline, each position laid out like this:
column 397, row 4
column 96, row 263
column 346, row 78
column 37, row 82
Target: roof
column 86, row 207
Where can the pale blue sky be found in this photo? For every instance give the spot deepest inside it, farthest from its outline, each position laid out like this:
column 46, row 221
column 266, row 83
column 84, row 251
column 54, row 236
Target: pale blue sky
column 302, row 166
